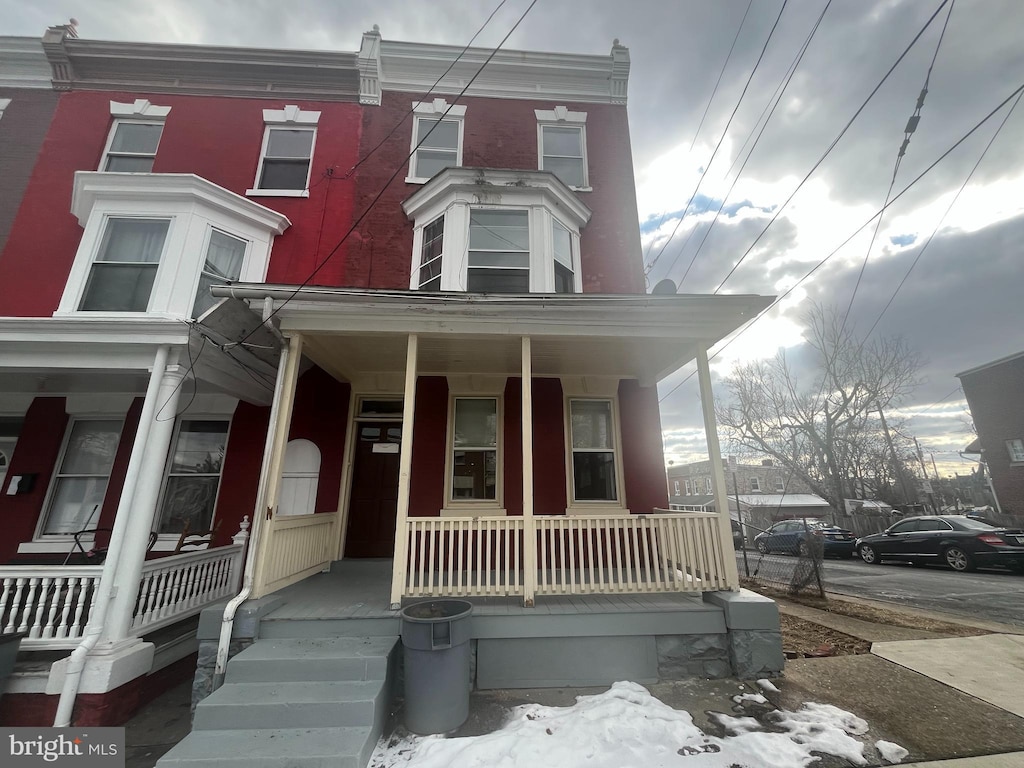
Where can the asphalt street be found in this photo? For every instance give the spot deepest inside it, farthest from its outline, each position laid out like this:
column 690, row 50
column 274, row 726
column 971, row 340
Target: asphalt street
column 993, row 594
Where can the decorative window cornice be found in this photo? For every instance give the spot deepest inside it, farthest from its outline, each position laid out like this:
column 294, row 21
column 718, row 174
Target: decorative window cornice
column 560, row 114
column 4, row 103
column 140, row 108
column 290, row 114
column 439, row 107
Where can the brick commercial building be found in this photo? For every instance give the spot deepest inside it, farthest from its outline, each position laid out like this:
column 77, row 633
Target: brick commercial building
column 995, row 395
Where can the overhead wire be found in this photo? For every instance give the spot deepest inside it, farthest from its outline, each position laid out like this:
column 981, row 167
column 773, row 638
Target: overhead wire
column 725, row 131
column 393, row 176
column 1015, row 93
column 714, row 92
column 773, row 102
column 828, row 151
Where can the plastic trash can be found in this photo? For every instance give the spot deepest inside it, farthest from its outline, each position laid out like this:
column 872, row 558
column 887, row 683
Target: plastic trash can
column 435, row 637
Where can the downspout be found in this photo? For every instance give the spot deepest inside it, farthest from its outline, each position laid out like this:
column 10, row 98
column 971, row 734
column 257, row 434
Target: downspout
column 228, row 620
column 97, row 617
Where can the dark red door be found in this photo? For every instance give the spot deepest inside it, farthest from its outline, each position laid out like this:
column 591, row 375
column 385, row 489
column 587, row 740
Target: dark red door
column 374, row 501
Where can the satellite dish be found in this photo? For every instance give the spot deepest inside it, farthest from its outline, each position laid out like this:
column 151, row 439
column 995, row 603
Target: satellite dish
column 664, row 288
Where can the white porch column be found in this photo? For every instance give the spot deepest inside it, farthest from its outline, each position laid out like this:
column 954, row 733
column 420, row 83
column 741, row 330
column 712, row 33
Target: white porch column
column 270, row 479
column 398, row 570
column 140, row 508
column 529, row 532
column 707, row 403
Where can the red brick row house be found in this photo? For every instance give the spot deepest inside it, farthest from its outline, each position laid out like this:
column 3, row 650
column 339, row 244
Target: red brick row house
column 294, row 296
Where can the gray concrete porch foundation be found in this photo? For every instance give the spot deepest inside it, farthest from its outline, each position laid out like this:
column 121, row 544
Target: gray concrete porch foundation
column 576, row 640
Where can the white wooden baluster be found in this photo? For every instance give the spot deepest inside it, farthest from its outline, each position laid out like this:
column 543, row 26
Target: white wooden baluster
column 54, row 604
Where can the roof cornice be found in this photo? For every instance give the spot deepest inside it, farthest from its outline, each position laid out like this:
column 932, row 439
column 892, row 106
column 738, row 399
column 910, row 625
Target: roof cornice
column 23, row 63
column 992, row 364
column 91, row 186
column 200, row 69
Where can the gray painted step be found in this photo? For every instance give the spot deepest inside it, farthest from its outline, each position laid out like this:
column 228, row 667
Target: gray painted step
column 291, row 705
column 273, row 748
column 312, row 659
column 282, row 628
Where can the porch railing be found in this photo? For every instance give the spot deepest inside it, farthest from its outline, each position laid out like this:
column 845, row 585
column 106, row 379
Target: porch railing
column 464, row 556
column 173, row 588
column 623, row 553
column 295, row 546
column 52, row 602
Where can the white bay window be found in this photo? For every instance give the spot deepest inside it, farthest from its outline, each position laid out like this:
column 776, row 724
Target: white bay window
column 121, row 278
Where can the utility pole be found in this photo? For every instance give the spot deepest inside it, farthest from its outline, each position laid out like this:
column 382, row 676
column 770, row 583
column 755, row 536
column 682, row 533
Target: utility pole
column 897, row 465
column 739, row 514
column 924, row 473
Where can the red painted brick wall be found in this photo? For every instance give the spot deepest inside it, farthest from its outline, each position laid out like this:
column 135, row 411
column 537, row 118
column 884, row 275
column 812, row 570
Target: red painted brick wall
column 428, row 447
column 217, row 138
column 549, row 463
column 320, row 416
column 499, row 133
column 642, row 450
column 995, row 398
column 22, row 128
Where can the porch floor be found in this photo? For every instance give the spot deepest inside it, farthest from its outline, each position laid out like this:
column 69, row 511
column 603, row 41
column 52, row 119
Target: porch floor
column 361, row 589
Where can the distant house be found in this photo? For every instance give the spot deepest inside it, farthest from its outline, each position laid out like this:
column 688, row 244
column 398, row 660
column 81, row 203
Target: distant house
column 688, row 482
column 994, row 395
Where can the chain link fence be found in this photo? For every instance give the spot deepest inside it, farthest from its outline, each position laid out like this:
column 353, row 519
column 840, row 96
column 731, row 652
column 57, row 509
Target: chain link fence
column 791, row 561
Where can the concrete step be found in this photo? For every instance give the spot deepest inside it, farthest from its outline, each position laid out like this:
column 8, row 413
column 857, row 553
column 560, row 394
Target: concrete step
column 273, row 748
column 292, row 705
column 312, row 659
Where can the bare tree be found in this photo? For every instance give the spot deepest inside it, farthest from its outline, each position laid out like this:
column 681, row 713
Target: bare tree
column 824, row 429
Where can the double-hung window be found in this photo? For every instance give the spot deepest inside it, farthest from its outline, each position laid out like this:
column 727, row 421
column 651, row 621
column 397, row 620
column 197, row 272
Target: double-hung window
column 193, row 476
column 122, row 274
column 755, row 485
column 474, row 446
column 593, row 450
column 689, row 488
column 780, row 485
column 438, row 143
column 80, row 482
column 432, row 255
column 223, row 264
column 132, row 146
column 499, row 251
column 562, row 248
column 562, row 139
column 707, row 486
column 675, row 487
column 287, row 154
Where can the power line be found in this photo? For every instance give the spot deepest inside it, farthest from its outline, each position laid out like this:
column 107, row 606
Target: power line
column 437, row 82
column 393, row 176
column 707, row 165
column 831, row 146
column 774, row 102
column 952, row 202
column 714, row 92
column 1016, row 93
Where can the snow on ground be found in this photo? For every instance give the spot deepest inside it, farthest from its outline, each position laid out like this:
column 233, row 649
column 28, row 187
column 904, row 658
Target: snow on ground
column 891, row 753
column 626, row 726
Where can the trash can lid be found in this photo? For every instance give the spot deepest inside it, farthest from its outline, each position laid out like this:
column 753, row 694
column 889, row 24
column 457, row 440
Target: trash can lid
column 437, row 610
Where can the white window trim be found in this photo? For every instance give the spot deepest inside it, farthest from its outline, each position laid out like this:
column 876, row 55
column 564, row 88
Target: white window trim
column 562, row 117
column 193, row 206
column 168, row 541
column 434, row 110
column 206, row 247
column 755, row 485
column 110, row 140
column 289, row 117
column 1016, row 457
column 675, row 485
column 593, row 506
column 60, row 542
column 475, row 507
column 708, row 489
column 454, row 194
column 689, row 488
column 780, row 485
column 140, row 112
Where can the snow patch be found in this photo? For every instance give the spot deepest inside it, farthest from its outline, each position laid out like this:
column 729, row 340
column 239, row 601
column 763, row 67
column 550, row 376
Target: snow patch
column 890, row 751
column 767, row 685
column 757, row 698
column 627, row 726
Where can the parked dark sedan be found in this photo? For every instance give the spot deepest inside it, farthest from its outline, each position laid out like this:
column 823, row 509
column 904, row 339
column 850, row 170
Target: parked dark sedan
column 791, row 535
column 962, row 543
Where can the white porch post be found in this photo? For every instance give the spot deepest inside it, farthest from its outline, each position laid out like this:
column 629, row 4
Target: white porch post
column 529, row 532
column 140, row 508
column 398, row 571
column 707, row 403
column 277, row 441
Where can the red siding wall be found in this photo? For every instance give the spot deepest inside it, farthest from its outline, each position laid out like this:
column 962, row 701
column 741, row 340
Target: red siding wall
column 24, row 124
column 216, row 138
column 241, row 472
column 320, row 416
column 548, row 448
column 499, row 133
column 36, row 452
column 994, row 395
column 642, row 450
column 428, row 447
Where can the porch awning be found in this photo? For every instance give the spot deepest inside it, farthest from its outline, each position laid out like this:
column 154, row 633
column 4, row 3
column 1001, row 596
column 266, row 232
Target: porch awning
column 351, row 332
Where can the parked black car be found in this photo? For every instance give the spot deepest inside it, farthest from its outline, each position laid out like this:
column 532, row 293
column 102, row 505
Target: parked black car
column 790, row 536
column 962, row 543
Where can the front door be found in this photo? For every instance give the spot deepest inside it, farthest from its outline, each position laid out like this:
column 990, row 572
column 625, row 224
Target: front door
column 374, row 501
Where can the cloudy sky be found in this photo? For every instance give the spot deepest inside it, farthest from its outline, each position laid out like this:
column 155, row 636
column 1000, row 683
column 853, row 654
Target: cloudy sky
column 961, row 305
